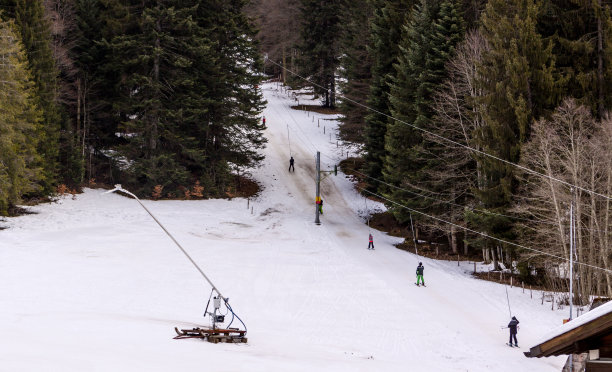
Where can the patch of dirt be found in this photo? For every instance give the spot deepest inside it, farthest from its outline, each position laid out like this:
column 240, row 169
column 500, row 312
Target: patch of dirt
column 245, row 187
column 351, row 132
column 317, row 108
column 239, row 224
column 494, row 276
column 15, row 211
column 269, row 211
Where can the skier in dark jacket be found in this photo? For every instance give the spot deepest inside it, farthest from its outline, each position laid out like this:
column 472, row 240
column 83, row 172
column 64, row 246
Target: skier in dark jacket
column 291, row 165
column 419, row 273
column 370, row 242
column 513, row 329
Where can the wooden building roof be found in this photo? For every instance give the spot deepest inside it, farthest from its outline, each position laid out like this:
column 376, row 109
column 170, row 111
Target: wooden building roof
column 593, row 330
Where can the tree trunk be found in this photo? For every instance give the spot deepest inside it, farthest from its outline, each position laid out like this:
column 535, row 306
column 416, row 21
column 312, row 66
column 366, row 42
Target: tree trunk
column 332, row 91
column 283, row 71
column 454, row 239
column 495, row 262
column 600, row 72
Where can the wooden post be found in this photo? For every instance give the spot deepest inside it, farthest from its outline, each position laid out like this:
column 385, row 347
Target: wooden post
column 530, row 293
column 510, row 281
column 251, row 210
column 523, row 285
column 318, row 123
column 248, row 203
column 457, row 259
column 474, row 267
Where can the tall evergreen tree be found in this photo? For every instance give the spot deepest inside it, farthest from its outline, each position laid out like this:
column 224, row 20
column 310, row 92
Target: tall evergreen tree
column 581, row 34
column 188, row 95
column 386, row 29
column 520, row 83
column 355, row 68
column 30, row 19
column 429, row 40
column 232, row 134
column 320, row 46
column 20, row 121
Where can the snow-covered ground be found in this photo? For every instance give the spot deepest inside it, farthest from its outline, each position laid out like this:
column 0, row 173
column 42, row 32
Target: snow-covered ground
column 93, row 284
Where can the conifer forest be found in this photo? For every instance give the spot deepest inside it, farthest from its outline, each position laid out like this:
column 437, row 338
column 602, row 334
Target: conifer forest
column 482, row 123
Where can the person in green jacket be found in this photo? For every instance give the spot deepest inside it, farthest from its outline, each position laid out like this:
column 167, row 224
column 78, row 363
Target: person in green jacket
column 419, row 273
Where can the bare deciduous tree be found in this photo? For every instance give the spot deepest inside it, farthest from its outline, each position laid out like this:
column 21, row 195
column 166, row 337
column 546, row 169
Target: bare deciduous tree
column 457, row 117
column 569, row 147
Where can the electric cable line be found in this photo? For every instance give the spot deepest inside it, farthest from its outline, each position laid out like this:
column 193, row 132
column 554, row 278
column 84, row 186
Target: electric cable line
column 528, row 170
column 484, row 234
column 466, row 207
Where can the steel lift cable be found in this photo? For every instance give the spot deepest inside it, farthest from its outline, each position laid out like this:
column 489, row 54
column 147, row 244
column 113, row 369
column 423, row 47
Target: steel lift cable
column 118, row 188
column 444, row 139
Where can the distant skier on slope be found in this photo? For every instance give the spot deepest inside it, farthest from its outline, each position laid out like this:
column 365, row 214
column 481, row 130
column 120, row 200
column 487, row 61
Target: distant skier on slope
column 513, row 325
column 321, row 206
column 291, row 161
column 419, row 274
column 371, row 242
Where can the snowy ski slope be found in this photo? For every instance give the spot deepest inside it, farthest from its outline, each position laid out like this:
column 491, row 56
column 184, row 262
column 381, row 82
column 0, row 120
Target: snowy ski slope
column 93, row 284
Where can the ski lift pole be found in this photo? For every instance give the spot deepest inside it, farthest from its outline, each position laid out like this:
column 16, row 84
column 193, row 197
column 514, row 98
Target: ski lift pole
column 119, row 188
column 414, row 240
column 508, row 299
column 318, row 200
column 318, row 195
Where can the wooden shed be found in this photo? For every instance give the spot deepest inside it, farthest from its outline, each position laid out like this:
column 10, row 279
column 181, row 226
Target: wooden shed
column 590, row 333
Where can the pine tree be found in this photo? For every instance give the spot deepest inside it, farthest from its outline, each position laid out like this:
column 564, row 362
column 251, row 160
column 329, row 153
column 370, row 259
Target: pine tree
column 155, row 59
column 355, row 68
column 581, row 34
column 233, row 132
column 520, row 83
column 320, row 46
column 429, row 41
column 386, row 29
column 20, row 121
column 188, row 95
column 30, row 19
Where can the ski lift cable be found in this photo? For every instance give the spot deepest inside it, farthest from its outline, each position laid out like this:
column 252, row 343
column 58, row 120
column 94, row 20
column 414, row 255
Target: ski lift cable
column 444, row 139
column 508, row 298
column 414, row 239
column 118, row 188
column 367, row 211
column 289, row 141
column 484, row 234
column 288, row 112
column 463, row 206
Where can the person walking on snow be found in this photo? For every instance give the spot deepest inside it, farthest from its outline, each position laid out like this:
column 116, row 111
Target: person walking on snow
column 371, row 242
column 321, row 206
column 419, row 273
column 513, row 325
column 291, row 165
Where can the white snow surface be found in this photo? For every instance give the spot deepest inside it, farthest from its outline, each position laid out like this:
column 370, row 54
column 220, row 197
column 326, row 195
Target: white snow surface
column 577, row 322
column 93, row 284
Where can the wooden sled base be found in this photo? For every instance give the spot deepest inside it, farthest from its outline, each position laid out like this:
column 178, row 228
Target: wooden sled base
column 232, row 335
